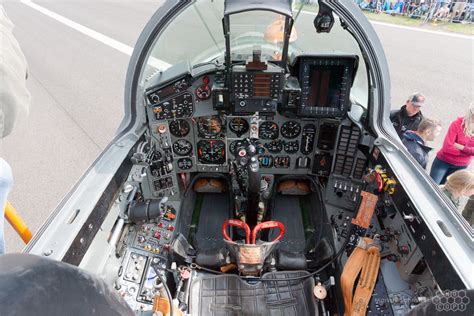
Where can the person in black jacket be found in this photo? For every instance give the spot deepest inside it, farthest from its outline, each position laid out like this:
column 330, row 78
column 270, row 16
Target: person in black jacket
column 415, row 141
column 409, row 116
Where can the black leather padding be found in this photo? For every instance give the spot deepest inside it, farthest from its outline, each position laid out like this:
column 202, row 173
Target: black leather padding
column 229, row 295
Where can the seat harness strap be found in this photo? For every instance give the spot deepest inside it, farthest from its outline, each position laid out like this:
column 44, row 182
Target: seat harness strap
column 364, row 260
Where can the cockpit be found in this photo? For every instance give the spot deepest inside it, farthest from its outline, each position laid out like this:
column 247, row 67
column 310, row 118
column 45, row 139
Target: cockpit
column 253, row 182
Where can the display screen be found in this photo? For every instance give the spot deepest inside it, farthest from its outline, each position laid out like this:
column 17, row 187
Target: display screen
column 325, row 83
column 167, row 91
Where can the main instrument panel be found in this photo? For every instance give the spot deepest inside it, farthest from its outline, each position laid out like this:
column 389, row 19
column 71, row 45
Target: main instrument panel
column 209, row 143
column 204, row 137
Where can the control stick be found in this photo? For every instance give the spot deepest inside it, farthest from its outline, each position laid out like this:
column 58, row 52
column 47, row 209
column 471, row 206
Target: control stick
column 247, row 163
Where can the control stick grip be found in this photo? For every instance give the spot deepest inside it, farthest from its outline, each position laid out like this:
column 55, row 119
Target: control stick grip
column 254, row 176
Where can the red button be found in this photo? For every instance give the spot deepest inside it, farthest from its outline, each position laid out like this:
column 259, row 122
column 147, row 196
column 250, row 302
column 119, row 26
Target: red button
column 170, row 228
column 160, row 224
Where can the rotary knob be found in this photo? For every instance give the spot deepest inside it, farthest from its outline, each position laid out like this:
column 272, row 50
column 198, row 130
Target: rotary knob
column 320, row 291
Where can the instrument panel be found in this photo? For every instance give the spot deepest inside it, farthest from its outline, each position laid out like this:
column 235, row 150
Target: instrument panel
column 204, row 136
column 209, row 143
column 176, row 107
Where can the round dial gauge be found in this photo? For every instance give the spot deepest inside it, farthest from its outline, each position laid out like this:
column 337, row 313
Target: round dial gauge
column 274, row 146
column 182, row 147
column 177, row 107
column 291, row 147
column 185, row 163
column 233, row 146
column 236, row 144
column 268, row 130
column 179, row 128
column 291, row 129
column 209, row 127
column 211, row 151
column 238, row 126
column 203, row 92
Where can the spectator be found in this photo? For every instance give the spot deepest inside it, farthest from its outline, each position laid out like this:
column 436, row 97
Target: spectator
column 457, row 150
column 410, row 8
column 469, row 210
column 442, row 12
column 458, row 9
column 459, row 184
column 435, row 8
column 415, row 141
column 409, row 116
column 424, row 8
column 14, row 101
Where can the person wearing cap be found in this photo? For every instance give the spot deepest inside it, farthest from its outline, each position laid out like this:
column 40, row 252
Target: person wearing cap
column 415, row 141
column 409, row 116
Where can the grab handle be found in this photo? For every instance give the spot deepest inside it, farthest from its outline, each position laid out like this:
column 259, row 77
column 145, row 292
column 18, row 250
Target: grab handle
column 236, row 223
column 268, row 225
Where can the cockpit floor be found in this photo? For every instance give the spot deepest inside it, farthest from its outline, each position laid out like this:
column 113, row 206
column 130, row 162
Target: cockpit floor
column 228, row 295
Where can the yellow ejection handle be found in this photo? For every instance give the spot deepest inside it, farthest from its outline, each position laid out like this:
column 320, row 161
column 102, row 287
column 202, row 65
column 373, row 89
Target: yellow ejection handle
column 17, row 223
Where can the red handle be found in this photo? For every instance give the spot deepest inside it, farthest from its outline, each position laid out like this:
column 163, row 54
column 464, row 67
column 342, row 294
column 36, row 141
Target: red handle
column 236, row 223
column 268, row 225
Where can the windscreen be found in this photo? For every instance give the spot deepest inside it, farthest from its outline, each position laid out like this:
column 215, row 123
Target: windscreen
column 196, row 35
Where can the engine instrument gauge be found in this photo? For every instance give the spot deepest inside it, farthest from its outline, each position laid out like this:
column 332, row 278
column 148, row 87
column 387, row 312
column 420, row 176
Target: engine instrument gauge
column 209, row 127
column 236, row 144
column 274, row 146
column 233, row 147
column 238, row 126
column 307, row 139
column 180, row 106
column 265, row 161
column 291, row 129
column 211, row 151
column 268, row 130
column 185, row 163
column 182, row 147
column 203, row 92
column 282, row 162
column 179, row 128
column 291, row 147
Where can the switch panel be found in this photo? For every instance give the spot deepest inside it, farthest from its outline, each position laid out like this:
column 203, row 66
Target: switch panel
column 343, row 192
